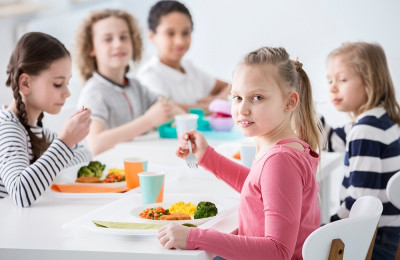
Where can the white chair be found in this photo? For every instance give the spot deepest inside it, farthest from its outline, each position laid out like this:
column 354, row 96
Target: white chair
column 393, row 190
column 349, row 238
column 393, row 193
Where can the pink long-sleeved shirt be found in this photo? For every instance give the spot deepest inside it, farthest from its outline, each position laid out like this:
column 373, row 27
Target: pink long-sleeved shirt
column 278, row 204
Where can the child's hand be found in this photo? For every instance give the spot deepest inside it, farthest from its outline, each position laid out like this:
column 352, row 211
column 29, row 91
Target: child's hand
column 159, row 113
column 76, row 127
column 173, row 236
column 199, row 145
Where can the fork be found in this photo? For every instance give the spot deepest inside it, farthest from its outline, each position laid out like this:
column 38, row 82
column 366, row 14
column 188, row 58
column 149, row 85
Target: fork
column 191, row 160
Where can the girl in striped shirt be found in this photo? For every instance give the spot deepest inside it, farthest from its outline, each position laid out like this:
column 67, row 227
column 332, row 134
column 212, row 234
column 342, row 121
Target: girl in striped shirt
column 30, row 156
column 360, row 84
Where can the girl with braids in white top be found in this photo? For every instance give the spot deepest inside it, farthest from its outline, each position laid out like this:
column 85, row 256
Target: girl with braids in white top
column 30, row 156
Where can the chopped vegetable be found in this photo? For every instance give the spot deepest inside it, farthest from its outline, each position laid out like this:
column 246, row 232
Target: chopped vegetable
column 154, row 213
column 94, row 169
column 114, row 177
column 189, row 225
column 205, row 209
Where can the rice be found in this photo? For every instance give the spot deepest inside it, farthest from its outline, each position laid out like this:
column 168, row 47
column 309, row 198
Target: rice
column 182, row 207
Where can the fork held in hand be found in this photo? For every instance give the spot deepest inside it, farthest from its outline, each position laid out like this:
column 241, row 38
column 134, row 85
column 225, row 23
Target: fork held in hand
column 191, row 160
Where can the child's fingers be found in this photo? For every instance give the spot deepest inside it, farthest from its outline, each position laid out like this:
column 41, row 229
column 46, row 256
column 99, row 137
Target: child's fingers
column 83, row 114
column 181, row 153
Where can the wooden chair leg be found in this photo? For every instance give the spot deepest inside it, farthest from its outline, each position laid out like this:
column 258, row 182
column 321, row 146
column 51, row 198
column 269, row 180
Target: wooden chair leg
column 398, row 252
column 371, row 246
column 337, row 250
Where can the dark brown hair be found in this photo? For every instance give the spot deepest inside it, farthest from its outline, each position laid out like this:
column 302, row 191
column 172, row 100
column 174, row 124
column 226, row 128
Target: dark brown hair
column 33, row 53
column 163, row 8
column 84, row 40
column 291, row 76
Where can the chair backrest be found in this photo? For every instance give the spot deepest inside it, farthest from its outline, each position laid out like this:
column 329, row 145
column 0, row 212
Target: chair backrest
column 393, row 190
column 356, row 232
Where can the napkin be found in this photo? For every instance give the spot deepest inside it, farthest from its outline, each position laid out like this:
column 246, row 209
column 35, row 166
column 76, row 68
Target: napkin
column 126, row 225
column 71, row 188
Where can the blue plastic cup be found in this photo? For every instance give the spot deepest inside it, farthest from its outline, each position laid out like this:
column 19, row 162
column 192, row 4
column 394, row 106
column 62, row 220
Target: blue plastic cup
column 152, row 186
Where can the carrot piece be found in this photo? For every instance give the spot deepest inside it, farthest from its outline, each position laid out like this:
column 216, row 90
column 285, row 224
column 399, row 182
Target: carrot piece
column 237, row 155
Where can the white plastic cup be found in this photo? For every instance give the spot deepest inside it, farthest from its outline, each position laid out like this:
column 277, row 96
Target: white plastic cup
column 247, row 153
column 185, row 122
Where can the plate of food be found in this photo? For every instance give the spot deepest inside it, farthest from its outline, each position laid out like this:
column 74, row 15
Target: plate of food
column 92, row 173
column 179, row 212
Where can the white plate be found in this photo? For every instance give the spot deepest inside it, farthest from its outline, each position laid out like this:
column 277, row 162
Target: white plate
column 120, row 211
column 69, row 175
column 136, row 211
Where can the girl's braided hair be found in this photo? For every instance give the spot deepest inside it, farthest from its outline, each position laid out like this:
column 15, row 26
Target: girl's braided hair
column 33, row 53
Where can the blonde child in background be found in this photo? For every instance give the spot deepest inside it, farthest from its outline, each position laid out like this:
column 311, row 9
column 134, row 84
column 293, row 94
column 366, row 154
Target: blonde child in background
column 360, row 84
column 168, row 74
column 121, row 107
column 31, row 156
column 279, row 194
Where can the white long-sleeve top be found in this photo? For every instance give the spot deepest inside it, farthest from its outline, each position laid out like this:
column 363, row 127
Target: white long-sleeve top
column 23, row 181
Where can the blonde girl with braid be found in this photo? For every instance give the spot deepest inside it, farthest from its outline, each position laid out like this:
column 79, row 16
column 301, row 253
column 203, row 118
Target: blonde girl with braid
column 272, row 102
column 30, row 155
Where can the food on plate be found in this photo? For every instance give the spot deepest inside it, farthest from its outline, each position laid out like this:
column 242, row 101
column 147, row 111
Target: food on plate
column 88, row 179
column 93, row 169
column 205, row 209
column 189, row 225
column 182, row 207
column 154, row 213
column 181, row 211
column 115, row 175
column 116, row 171
column 175, row 216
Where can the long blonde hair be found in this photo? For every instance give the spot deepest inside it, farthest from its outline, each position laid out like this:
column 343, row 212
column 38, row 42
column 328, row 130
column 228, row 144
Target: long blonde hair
column 84, row 40
column 369, row 60
column 291, row 76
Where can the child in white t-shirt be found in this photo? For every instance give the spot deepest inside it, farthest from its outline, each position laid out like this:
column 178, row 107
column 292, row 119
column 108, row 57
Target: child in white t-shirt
column 166, row 74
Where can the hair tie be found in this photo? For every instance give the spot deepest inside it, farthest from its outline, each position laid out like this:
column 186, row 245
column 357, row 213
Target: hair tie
column 298, row 64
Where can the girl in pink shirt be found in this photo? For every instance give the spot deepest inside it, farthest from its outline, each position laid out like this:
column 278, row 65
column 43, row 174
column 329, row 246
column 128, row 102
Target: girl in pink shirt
column 272, row 102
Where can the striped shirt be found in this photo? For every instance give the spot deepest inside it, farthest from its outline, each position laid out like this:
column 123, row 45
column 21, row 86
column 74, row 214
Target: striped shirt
column 372, row 156
column 23, row 181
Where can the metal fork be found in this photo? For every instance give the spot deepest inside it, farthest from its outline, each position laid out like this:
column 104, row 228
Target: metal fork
column 191, row 160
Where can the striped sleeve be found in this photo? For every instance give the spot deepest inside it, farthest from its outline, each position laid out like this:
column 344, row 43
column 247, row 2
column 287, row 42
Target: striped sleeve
column 372, row 158
column 24, row 182
column 81, row 153
column 334, row 138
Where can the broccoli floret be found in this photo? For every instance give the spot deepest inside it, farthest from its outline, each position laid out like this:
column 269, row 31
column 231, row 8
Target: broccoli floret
column 94, row 169
column 205, row 209
column 85, row 171
column 97, row 168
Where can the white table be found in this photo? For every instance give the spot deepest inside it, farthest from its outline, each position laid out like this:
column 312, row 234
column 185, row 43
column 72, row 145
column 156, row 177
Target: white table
column 37, row 233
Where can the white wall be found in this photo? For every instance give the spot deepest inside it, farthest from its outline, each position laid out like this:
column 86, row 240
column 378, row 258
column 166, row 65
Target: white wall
column 224, row 30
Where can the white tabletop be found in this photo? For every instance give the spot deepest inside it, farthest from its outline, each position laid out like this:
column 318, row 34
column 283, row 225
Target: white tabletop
column 37, row 232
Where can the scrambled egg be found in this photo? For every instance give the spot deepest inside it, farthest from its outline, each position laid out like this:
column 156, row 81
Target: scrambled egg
column 182, row 207
column 116, row 171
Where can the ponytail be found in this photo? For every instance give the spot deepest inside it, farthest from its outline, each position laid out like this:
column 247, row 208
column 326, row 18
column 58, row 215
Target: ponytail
column 308, row 127
column 292, row 77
